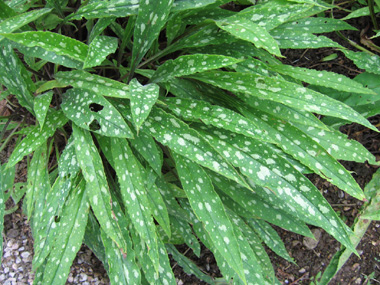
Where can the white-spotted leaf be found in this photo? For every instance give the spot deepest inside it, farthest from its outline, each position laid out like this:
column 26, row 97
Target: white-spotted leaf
column 134, row 193
column 142, row 100
column 183, row 140
column 285, row 92
column 105, row 9
column 152, row 16
column 209, row 209
column 98, row 84
column 91, row 111
column 57, row 43
column 69, row 238
column 96, row 184
column 41, row 106
column 247, row 30
column 190, row 64
column 322, row 78
column 36, row 137
column 99, row 49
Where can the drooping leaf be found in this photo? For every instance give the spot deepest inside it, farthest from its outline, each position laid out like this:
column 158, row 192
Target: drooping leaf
column 187, row 265
column 99, row 84
column 135, row 196
column 41, row 107
column 96, row 184
column 151, row 17
column 172, row 132
column 309, row 152
column 247, row 30
column 147, row 147
column 209, row 209
column 216, row 116
column 322, row 78
column 363, row 60
column 296, row 39
column 265, row 168
column 317, row 25
column 142, row 100
column 258, row 207
column 270, row 237
column 69, row 238
column 105, row 9
column 48, row 41
column 186, row 232
column 339, row 146
column 157, row 204
column 282, row 91
column 190, row 64
column 14, row 23
column 99, row 49
column 91, row 111
column 36, row 137
column 122, row 266
column 182, row 5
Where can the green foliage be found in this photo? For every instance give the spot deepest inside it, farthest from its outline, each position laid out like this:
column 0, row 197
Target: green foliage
column 166, row 122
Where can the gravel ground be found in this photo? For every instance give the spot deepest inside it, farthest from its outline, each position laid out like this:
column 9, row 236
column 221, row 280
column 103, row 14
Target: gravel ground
column 16, row 263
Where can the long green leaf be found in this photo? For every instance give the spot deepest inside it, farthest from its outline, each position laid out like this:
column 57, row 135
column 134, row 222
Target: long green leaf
column 69, row 237
column 96, row 184
column 265, row 168
column 105, row 9
column 363, row 60
column 99, row 49
column 36, row 137
column 99, row 84
column 93, row 112
column 57, row 43
column 135, row 196
column 284, row 92
column 41, row 107
column 13, row 23
column 151, row 17
column 245, row 29
column 322, row 78
column 172, row 132
column 13, row 75
column 142, row 100
column 209, row 209
column 190, row 64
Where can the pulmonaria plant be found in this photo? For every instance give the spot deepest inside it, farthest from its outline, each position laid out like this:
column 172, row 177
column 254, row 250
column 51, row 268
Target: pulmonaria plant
column 168, row 122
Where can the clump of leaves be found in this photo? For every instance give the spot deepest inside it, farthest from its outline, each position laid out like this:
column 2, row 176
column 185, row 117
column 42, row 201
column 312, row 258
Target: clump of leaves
column 167, row 122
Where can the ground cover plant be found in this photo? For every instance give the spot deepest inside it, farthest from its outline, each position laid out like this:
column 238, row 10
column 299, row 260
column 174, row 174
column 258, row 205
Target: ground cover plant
column 156, row 123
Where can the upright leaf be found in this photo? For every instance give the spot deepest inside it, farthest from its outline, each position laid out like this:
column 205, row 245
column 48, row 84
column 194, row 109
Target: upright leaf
column 142, row 100
column 209, row 209
column 11, row 76
column 41, row 107
column 99, row 49
column 151, row 17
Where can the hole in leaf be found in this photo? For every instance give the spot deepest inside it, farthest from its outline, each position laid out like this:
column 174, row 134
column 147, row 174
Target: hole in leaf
column 94, row 107
column 94, row 125
column 57, row 219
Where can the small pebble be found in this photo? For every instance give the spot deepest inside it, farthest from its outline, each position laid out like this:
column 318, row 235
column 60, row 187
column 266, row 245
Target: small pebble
column 21, row 248
column 18, row 260
column 25, row 254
